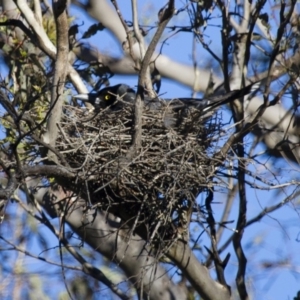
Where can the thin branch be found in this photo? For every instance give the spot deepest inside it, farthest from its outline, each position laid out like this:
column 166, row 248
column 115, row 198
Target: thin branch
column 27, row 253
column 44, row 43
column 87, row 268
column 241, row 223
column 45, row 170
column 265, row 212
column 196, row 273
column 138, row 109
column 214, row 253
column 37, row 28
column 147, row 76
column 129, row 37
column 61, row 63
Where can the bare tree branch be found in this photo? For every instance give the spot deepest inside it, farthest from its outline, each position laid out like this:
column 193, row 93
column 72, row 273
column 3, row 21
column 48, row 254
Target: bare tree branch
column 106, row 235
column 57, row 95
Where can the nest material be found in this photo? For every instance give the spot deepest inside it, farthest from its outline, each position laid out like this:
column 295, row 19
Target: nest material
column 161, row 182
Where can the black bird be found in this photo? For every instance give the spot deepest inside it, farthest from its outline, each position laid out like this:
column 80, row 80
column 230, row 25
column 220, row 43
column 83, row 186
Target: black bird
column 111, row 96
column 119, row 95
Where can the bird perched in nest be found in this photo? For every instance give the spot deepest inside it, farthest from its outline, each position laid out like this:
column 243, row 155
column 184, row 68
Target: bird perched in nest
column 121, row 94
column 117, row 96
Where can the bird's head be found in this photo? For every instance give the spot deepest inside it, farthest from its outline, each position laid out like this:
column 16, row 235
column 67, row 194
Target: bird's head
column 108, row 96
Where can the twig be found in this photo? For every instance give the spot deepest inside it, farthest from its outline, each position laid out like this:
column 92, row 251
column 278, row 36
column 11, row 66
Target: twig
column 138, row 109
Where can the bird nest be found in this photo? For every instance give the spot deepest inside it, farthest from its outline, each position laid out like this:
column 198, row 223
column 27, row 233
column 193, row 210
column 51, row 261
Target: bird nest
column 159, row 183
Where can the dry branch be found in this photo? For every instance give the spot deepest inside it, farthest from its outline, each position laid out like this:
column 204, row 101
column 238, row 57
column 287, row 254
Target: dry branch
column 160, row 184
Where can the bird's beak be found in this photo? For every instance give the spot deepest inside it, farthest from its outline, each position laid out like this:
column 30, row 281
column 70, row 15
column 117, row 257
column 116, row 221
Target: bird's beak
column 90, row 98
column 83, row 97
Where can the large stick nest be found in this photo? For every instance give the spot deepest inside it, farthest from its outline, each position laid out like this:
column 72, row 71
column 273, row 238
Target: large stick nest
column 161, row 182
